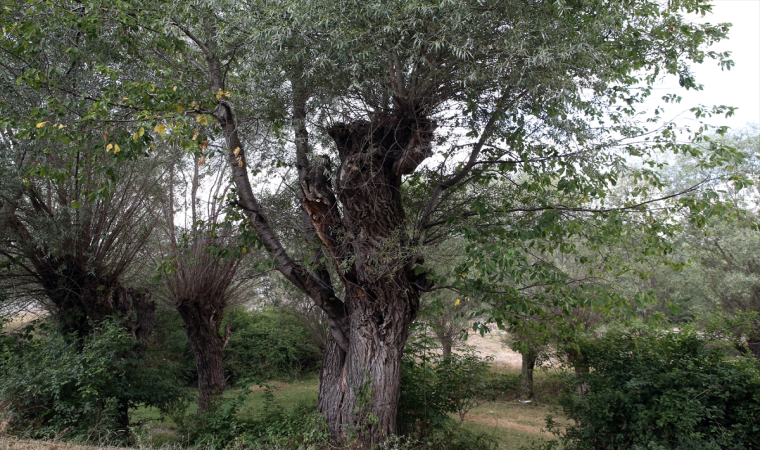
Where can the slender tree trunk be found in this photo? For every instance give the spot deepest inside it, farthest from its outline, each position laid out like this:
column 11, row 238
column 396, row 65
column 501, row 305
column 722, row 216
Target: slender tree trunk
column 447, row 343
column 202, row 325
column 528, row 365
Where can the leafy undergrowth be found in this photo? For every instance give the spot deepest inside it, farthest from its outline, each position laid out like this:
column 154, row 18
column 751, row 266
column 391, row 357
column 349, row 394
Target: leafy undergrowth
column 511, row 423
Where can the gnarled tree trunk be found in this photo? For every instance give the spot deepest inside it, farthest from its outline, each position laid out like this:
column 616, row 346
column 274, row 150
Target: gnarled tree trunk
column 376, row 263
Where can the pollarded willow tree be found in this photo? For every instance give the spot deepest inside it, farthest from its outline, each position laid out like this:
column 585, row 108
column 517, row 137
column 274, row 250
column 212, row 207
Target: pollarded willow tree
column 406, row 119
column 200, row 270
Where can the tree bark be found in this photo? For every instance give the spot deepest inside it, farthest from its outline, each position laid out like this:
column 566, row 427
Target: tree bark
column 331, row 387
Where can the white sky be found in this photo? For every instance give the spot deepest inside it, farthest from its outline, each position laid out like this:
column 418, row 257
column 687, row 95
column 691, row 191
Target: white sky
column 738, row 87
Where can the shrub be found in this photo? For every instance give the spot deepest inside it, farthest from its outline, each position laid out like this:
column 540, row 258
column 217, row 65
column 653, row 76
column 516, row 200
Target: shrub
column 80, row 389
column 223, row 427
column 433, row 387
column 268, row 344
column 170, row 343
column 649, row 389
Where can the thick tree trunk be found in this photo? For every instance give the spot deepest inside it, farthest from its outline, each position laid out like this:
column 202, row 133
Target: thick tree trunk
column 528, row 366
column 202, row 325
column 376, row 265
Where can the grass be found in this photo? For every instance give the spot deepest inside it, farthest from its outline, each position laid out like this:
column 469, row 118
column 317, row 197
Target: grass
column 511, row 423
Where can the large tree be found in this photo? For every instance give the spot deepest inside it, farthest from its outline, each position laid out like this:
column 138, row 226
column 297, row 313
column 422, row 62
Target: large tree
column 405, row 119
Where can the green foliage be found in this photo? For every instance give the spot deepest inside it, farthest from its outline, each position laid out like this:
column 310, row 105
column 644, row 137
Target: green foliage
column 80, row 389
column 224, row 426
column 654, row 389
column 269, row 344
column 434, row 387
column 170, row 343
column 262, row 346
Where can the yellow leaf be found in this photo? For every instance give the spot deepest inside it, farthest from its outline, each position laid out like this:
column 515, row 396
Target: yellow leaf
column 227, row 94
column 160, row 129
column 60, row 125
column 237, row 151
column 195, row 135
column 244, row 250
column 135, row 137
column 180, row 109
column 203, row 159
column 116, row 148
column 41, row 124
column 152, row 87
column 141, row 131
column 125, row 98
column 240, row 162
column 109, row 147
column 457, row 302
column 219, row 94
column 174, row 89
column 153, row 147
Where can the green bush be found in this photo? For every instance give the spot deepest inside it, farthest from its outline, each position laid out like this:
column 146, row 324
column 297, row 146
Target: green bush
column 434, row 387
column 80, row 389
column 223, row 427
column 266, row 345
column 656, row 390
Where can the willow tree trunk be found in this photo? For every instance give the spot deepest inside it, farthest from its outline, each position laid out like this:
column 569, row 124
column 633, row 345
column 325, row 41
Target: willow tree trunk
column 360, row 380
column 202, row 324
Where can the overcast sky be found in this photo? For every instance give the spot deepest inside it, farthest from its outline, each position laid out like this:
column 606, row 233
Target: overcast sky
column 738, row 87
